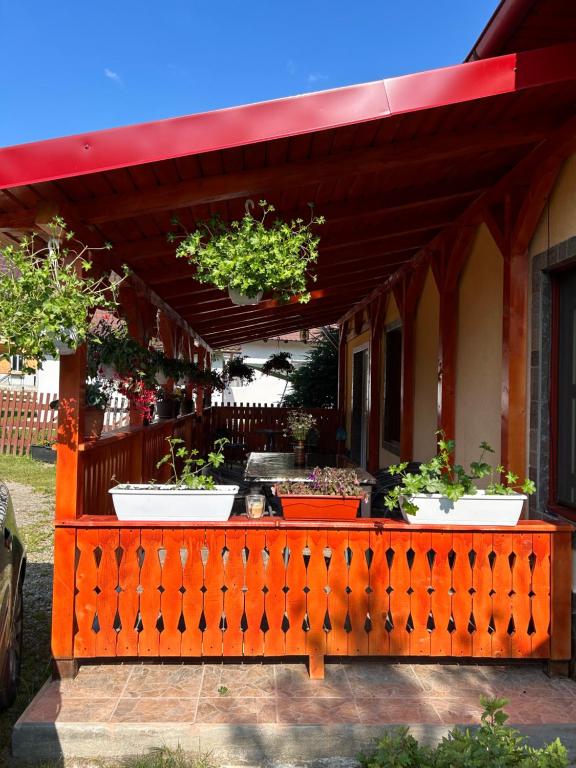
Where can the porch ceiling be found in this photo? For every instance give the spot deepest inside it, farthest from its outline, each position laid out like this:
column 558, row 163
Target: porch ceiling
column 389, row 164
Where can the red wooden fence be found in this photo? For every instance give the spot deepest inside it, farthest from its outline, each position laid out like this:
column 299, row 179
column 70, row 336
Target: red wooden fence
column 273, row 588
column 25, row 419
column 257, row 426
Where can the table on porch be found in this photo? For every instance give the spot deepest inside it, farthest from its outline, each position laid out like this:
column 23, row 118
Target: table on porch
column 269, row 468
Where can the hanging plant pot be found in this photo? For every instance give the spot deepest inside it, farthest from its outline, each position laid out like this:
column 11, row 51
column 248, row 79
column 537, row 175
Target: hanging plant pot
column 161, row 378
column 241, row 300
column 93, row 422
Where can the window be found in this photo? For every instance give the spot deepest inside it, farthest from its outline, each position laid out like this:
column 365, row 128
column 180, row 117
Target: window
column 566, row 390
column 392, row 389
column 16, row 363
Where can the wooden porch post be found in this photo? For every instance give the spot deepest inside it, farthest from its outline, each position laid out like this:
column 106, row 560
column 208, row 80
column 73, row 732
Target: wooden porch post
column 200, row 388
column 447, row 265
column 69, row 506
column 407, row 294
column 342, row 366
column 377, row 315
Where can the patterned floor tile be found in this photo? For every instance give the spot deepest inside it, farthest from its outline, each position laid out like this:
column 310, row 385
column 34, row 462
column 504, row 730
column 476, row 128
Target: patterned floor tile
column 106, row 682
column 236, row 710
column 50, row 707
column 406, row 709
column 294, row 680
column 171, row 681
column 239, row 680
column 376, row 680
column 159, row 710
column 310, row 711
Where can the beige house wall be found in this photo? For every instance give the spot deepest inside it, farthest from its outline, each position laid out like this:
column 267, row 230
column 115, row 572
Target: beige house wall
column 427, row 336
column 558, row 220
column 479, row 350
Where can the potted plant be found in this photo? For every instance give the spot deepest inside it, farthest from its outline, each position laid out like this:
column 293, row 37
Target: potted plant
column 46, row 295
column 299, row 424
column 190, row 494
column 278, row 363
column 139, row 394
column 167, row 404
column 112, row 352
column 43, row 451
column 252, row 256
column 444, row 493
column 236, row 368
column 97, row 397
column 328, row 494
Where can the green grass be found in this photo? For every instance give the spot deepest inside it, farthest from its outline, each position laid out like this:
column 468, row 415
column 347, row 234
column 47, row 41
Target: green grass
column 23, row 469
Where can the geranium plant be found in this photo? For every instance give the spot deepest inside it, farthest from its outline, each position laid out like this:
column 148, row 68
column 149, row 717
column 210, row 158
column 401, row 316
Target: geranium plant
column 46, row 294
column 111, row 346
column 325, row 481
column 441, row 476
column 188, row 467
column 140, row 395
column 254, row 255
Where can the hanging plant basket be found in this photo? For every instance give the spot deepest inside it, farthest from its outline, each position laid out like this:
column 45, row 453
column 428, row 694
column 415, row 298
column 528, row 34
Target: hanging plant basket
column 241, row 300
column 254, row 256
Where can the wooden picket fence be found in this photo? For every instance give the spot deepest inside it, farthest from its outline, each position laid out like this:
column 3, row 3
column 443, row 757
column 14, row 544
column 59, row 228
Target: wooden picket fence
column 263, row 427
column 26, row 419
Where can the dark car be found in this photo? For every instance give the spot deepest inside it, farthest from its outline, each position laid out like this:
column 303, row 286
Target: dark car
column 12, row 569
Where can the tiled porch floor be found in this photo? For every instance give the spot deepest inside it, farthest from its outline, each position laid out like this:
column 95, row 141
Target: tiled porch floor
column 363, row 693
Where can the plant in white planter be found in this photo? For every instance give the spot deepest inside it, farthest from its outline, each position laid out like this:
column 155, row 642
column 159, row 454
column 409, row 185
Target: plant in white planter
column 47, row 295
column 253, row 256
column 443, row 492
column 190, row 494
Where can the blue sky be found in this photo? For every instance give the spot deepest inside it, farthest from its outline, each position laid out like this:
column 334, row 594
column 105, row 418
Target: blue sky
column 70, row 66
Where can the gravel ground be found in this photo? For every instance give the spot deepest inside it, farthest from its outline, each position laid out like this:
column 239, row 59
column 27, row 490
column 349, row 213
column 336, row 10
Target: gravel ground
column 34, row 515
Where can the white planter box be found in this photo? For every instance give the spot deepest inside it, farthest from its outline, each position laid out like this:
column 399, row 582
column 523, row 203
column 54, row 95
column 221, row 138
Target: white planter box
column 480, row 509
column 168, row 503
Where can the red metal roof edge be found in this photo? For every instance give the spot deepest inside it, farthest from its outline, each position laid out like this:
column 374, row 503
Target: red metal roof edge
column 237, row 126
column 500, row 27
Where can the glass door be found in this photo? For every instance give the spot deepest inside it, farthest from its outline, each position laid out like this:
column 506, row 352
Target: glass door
column 566, row 390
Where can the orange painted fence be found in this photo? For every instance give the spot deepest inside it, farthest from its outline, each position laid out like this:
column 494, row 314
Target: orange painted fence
column 251, row 425
column 129, row 455
column 272, row 588
column 25, row 419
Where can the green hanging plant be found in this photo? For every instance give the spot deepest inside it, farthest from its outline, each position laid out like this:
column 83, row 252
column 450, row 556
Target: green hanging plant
column 252, row 256
column 46, row 295
column 236, row 368
column 278, row 363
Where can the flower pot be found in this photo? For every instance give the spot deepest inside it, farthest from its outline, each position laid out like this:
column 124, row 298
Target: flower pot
column 295, row 507
column 44, row 453
column 299, row 453
column 479, row 509
column 241, row 300
column 187, row 406
column 165, row 409
column 65, row 348
column 169, row 502
column 107, row 371
column 93, row 422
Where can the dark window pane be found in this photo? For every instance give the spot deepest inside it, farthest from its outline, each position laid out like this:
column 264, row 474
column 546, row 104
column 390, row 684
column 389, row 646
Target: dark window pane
column 566, row 478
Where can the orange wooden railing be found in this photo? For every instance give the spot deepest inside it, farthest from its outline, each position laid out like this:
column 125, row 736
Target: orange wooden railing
column 246, row 422
column 272, row 588
column 129, row 455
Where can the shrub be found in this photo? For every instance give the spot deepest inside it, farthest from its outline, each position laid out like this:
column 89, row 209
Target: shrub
column 492, row 745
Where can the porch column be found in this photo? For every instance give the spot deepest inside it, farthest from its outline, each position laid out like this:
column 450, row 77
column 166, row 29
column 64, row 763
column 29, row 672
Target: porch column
column 407, row 293
column 342, row 366
column 377, row 315
column 69, row 505
column 200, row 388
column 447, row 265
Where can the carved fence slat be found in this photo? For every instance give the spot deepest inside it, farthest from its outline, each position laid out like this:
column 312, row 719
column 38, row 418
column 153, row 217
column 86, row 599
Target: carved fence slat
column 273, row 589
